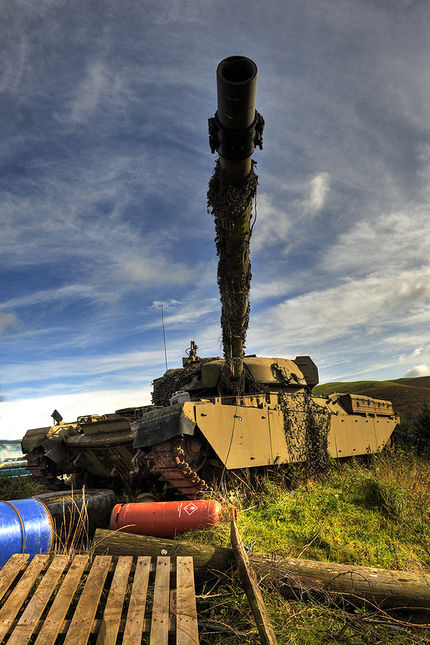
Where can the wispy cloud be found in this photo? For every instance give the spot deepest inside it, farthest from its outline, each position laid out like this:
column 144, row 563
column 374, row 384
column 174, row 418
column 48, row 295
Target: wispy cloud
column 189, row 312
column 7, row 321
column 69, row 292
column 319, row 187
column 154, row 271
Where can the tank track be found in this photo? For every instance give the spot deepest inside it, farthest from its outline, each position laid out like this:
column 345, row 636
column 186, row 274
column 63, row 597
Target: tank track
column 167, row 460
column 38, row 467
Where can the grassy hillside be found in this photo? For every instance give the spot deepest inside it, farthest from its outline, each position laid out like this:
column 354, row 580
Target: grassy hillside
column 406, row 394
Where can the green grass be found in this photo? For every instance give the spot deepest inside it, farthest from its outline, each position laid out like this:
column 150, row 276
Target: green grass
column 372, row 515
column 373, row 512
column 376, row 515
column 19, row 487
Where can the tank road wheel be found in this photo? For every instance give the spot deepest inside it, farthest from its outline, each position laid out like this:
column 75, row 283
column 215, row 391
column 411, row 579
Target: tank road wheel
column 43, row 469
column 196, row 453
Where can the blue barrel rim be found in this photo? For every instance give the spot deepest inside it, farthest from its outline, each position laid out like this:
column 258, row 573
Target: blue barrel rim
column 26, row 526
column 24, row 536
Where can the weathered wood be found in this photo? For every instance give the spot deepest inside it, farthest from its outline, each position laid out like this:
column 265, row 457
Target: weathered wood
column 297, row 578
column 206, row 558
column 187, row 631
column 95, row 627
column 80, row 627
column 10, row 570
column 19, row 594
column 53, row 622
column 293, row 577
column 249, row 582
column 32, row 598
column 34, row 610
column 135, row 624
column 112, row 614
column 160, row 606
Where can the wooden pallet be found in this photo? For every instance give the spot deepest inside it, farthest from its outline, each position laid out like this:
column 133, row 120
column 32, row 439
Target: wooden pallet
column 104, row 600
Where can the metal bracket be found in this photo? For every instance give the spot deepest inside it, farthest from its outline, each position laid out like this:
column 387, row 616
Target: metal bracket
column 235, row 144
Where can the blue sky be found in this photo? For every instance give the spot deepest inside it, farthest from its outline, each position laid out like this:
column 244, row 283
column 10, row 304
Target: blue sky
column 104, row 170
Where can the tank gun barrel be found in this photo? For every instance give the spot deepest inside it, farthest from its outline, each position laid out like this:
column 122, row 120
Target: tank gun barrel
column 237, row 128
column 234, row 132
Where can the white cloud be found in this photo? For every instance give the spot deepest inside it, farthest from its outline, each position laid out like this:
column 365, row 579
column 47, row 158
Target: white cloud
column 16, row 417
column 281, row 224
column 69, row 292
column 155, row 271
column 418, row 370
column 99, row 86
column 188, row 312
column 14, row 65
column 353, row 309
column 382, row 242
column 272, row 226
column 319, row 187
column 7, row 320
column 417, row 352
column 80, row 368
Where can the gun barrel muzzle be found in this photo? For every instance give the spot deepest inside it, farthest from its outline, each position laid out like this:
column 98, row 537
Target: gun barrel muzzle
column 237, row 88
column 237, row 127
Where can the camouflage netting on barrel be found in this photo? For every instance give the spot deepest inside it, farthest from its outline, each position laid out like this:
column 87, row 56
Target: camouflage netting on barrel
column 231, row 207
column 306, row 427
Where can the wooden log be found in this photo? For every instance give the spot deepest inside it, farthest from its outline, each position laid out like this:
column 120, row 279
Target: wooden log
column 387, row 588
column 207, row 559
column 293, row 577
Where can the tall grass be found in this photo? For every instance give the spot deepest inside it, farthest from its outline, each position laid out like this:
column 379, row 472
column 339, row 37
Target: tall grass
column 371, row 514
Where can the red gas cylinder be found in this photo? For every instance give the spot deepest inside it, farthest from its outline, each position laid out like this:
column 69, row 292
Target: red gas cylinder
column 166, row 519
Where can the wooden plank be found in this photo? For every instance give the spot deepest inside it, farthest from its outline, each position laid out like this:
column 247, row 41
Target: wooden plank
column 80, row 627
column 19, row 594
column 10, row 570
column 187, row 631
column 112, row 615
column 34, row 610
column 95, row 627
column 249, row 581
column 52, row 625
column 135, row 623
column 160, row 608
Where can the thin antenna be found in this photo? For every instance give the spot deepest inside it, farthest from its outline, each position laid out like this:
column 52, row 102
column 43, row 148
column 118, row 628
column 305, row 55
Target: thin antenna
column 164, row 334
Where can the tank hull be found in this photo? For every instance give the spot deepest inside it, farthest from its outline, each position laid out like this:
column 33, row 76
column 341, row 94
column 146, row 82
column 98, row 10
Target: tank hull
column 263, row 430
column 175, row 444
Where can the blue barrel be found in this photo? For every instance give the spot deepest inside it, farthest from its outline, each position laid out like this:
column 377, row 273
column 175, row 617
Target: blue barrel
column 25, row 527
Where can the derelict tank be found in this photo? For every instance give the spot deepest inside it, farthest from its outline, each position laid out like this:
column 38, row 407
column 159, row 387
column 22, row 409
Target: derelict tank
column 218, row 414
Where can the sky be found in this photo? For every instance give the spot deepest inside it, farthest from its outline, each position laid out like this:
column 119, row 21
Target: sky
column 104, row 171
